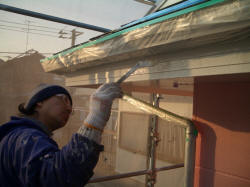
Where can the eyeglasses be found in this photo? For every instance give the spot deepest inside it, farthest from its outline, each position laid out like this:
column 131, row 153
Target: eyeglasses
column 65, row 99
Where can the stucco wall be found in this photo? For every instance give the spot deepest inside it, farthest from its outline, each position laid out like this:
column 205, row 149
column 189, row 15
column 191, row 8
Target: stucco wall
column 222, row 116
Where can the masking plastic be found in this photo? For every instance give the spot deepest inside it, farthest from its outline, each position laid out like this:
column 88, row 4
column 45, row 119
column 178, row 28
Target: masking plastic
column 200, row 24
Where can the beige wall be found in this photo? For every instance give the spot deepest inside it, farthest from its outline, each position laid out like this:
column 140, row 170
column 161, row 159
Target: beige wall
column 17, row 78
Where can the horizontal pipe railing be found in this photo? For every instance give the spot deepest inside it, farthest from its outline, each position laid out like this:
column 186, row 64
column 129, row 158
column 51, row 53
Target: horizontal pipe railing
column 133, row 174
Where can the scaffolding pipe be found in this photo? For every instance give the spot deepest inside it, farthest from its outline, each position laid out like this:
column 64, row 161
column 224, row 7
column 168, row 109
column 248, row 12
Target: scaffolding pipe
column 133, row 174
column 52, row 18
column 153, row 141
column 189, row 160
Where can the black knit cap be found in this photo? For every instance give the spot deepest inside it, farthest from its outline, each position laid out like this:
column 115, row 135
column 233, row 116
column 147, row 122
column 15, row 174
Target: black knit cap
column 44, row 92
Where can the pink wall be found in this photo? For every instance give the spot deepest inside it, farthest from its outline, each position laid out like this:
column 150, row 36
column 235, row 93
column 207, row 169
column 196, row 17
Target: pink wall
column 222, row 117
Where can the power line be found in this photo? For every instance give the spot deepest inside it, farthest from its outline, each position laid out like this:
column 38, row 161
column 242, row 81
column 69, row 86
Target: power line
column 30, row 32
column 53, row 28
column 27, row 35
column 3, row 52
column 52, row 18
column 29, row 29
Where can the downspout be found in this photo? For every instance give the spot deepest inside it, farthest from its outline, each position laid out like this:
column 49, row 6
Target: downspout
column 191, row 132
column 189, row 159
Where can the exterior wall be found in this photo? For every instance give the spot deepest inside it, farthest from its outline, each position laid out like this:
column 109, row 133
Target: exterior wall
column 222, row 116
column 17, row 78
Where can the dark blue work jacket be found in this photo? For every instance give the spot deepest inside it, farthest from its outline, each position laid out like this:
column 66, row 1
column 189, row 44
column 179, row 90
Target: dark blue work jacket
column 29, row 157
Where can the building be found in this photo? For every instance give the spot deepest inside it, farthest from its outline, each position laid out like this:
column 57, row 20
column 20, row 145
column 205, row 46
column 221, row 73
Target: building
column 200, row 62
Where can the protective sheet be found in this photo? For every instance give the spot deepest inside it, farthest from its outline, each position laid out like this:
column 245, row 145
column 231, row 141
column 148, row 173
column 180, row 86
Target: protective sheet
column 172, row 32
column 171, row 148
column 134, row 125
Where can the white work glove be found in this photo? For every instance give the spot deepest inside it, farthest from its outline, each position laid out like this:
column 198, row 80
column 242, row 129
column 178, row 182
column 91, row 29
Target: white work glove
column 100, row 104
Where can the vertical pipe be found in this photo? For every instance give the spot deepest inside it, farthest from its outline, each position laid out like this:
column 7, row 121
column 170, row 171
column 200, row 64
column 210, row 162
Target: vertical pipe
column 189, row 160
column 151, row 179
column 147, row 177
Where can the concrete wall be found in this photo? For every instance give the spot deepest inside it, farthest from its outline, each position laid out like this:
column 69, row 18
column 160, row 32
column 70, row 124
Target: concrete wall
column 222, row 116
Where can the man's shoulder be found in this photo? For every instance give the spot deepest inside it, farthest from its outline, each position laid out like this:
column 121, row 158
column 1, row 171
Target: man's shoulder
column 24, row 136
column 20, row 126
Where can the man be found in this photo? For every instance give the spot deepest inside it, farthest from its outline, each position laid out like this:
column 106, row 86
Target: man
column 29, row 157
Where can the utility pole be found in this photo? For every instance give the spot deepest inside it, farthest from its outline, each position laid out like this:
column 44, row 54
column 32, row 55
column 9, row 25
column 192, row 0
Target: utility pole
column 74, row 35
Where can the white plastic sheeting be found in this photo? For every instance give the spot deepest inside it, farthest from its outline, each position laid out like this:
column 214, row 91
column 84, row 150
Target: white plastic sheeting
column 153, row 37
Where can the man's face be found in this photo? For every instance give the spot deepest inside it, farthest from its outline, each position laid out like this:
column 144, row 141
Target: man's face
column 55, row 111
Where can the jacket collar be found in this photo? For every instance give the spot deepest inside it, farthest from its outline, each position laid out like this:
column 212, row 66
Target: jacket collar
column 16, row 122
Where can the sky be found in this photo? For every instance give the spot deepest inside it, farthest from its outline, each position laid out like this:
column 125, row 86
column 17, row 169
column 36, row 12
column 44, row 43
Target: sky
column 110, row 14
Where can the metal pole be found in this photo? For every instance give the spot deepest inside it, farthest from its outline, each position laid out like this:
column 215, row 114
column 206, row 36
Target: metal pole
column 189, row 159
column 73, row 39
column 52, row 18
column 153, row 141
column 132, row 174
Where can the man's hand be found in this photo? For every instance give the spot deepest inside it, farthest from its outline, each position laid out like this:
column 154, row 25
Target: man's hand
column 100, row 104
